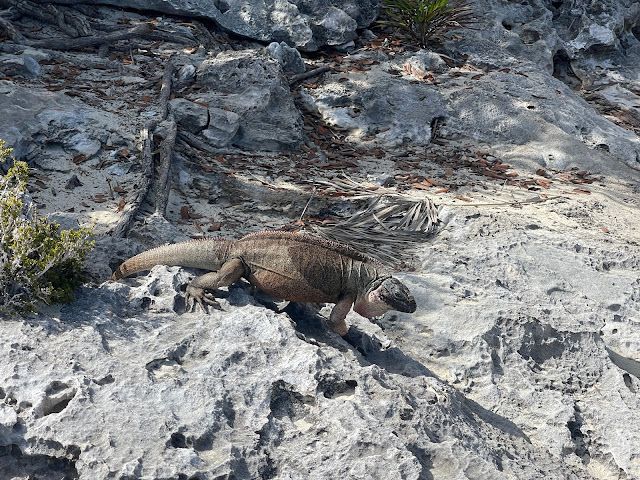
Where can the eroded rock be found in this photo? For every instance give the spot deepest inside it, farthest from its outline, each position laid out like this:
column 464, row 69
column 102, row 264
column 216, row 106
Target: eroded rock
column 19, row 66
column 240, row 392
column 250, row 104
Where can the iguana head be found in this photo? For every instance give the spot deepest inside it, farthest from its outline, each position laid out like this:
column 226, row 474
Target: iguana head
column 384, row 295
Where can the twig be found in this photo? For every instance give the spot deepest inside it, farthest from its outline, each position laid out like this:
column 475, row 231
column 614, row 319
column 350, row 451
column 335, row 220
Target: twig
column 166, row 149
column 128, row 216
column 193, row 141
column 631, row 167
column 503, row 204
column 313, row 194
column 311, row 73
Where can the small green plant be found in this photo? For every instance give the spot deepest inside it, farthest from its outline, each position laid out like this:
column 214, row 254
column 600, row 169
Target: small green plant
column 40, row 262
column 426, row 20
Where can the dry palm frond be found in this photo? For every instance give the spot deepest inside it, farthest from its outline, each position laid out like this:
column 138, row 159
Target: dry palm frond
column 387, row 228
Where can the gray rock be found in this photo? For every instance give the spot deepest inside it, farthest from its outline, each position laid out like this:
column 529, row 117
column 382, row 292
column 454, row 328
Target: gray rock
column 235, row 393
column 67, row 221
column 527, row 116
column 375, row 104
column 535, row 120
column 189, row 115
column 222, row 128
column 186, row 74
column 120, row 168
column 585, row 36
column 253, row 87
column 427, row 62
column 289, row 58
column 306, row 24
column 19, row 66
column 72, row 126
column 73, row 182
column 483, row 332
column 346, row 47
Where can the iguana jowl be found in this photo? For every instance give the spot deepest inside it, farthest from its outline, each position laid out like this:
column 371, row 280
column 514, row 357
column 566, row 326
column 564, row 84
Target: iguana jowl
column 294, row 267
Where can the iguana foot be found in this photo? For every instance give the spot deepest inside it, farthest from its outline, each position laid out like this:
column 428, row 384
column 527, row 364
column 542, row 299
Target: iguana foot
column 199, row 296
column 340, row 328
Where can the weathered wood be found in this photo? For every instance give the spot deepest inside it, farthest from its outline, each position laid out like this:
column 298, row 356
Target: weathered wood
column 142, row 30
column 166, row 146
column 7, row 30
column 130, row 211
column 163, row 184
column 311, row 73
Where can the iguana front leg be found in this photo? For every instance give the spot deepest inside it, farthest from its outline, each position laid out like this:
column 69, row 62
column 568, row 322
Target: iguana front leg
column 338, row 314
column 201, row 288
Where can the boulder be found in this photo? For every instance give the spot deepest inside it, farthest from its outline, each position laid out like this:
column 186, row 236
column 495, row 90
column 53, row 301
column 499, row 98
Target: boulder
column 54, row 118
column 288, row 57
column 585, row 37
column 250, row 104
column 192, row 117
column 375, row 106
column 19, row 66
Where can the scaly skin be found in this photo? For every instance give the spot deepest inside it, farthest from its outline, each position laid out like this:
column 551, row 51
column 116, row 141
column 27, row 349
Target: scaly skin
column 294, row 267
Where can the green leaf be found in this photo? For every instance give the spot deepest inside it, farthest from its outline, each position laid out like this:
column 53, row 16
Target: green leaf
column 40, row 261
column 427, row 19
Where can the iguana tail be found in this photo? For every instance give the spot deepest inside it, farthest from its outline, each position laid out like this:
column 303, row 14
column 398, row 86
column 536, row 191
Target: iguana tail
column 208, row 254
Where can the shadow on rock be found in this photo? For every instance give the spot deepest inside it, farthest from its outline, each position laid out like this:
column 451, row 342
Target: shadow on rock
column 313, row 329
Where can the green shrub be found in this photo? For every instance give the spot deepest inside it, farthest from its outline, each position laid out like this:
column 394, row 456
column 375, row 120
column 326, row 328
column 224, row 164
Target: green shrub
column 40, row 262
column 426, row 20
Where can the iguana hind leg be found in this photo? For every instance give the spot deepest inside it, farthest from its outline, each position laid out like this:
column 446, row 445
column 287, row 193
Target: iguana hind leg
column 201, row 289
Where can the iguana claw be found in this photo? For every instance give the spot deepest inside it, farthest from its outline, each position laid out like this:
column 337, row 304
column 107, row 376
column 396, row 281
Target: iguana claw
column 199, row 296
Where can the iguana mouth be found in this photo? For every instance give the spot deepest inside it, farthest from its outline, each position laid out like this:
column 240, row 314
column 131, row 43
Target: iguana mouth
column 397, row 296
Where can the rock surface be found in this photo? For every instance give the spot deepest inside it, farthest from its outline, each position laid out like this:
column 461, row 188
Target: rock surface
column 251, row 88
column 246, row 104
column 305, row 24
column 513, row 98
column 522, row 358
column 216, row 396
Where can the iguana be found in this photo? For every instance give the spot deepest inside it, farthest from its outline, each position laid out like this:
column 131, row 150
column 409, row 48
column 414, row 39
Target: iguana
column 290, row 266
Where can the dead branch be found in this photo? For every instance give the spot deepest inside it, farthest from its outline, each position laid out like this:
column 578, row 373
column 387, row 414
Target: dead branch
column 205, row 38
column 163, row 36
column 504, row 204
column 194, row 142
column 129, row 214
column 67, row 20
column 311, row 73
column 7, row 30
column 141, row 30
column 166, row 146
column 166, row 151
